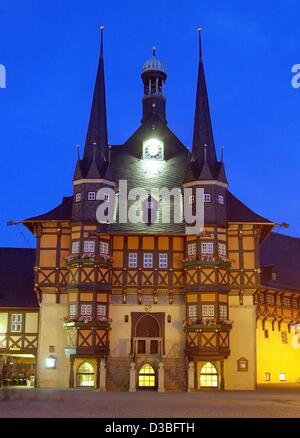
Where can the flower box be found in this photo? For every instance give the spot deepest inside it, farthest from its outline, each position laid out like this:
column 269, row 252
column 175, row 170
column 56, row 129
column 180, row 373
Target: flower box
column 209, row 325
column 88, row 259
column 213, row 261
column 89, row 324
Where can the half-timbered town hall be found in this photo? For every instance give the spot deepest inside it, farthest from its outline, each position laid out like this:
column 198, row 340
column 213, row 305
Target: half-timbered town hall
column 125, row 306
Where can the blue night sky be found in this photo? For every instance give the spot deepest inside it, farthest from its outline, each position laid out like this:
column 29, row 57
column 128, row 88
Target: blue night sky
column 50, row 50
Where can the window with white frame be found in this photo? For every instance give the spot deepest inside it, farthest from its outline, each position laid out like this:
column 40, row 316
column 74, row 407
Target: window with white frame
column 101, row 311
column 206, row 197
column 132, row 260
column 282, row 377
column 72, row 310
column 222, row 249
column 221, row 199
column 163, row 260
column 223, row 311
column 148, row 260
column 89, row 246
column 77, row 197
column 16, row 322
column 106, row 197
column 91, row 196
column 104, row 248
column 208, row 310
column 193, row 312
column 191, row 199
column 294, row 303
column 207, row 248
column 192, row 249
column 86, row 310
column 75, row 247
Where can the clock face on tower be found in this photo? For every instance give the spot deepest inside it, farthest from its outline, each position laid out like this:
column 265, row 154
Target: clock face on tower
column 153, row 149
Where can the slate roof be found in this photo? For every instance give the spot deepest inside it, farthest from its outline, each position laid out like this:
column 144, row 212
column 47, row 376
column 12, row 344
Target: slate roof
column 17, row 279
column 237, row 211
column 281, row 254
column 60, row 213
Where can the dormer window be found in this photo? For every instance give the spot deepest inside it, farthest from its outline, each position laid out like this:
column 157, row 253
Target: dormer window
column 221, row 199
column 78, row 197
column 206, row 197
column 91, row 196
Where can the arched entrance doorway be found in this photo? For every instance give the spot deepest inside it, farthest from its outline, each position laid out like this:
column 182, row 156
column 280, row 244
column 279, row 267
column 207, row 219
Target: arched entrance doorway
column 147, row 337
column 85, row 376
column 208, row 376
column 147, row 378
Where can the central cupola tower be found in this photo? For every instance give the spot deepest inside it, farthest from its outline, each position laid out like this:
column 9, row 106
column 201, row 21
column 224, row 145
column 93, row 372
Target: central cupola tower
column 154, row 76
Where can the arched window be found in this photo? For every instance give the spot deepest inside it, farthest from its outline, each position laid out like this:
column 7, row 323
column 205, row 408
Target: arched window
column 147, row 377
column 208, row 376
column 85, row 375
column 147, row 327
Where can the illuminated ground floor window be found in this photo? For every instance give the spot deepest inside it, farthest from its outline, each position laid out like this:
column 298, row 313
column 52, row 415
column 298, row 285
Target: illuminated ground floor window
column 85, row 375
column 208, row 376
column 147, row 377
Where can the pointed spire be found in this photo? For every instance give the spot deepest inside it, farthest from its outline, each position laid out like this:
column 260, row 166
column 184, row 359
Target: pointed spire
column 78, row 170
column 97, row 130
column 93, row 171
column 203, row 133
column 222, row 172
column 206, row 173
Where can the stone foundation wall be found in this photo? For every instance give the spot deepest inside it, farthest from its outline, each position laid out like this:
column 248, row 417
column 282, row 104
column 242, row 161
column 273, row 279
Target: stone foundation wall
column 117, row 378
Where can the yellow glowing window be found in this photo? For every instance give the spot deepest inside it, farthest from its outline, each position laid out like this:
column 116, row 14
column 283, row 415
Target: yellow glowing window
column 147, row 376
column 209, row 376
column 86, row 375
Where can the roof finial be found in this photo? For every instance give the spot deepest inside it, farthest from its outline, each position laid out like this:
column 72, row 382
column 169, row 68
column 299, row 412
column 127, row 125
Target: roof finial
column 205, row 152
column 222, row 154
column 101, row 35
column 153, row 51
column 94, row 156
column 200, row 43
column 78, row 151
column 109, row 154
